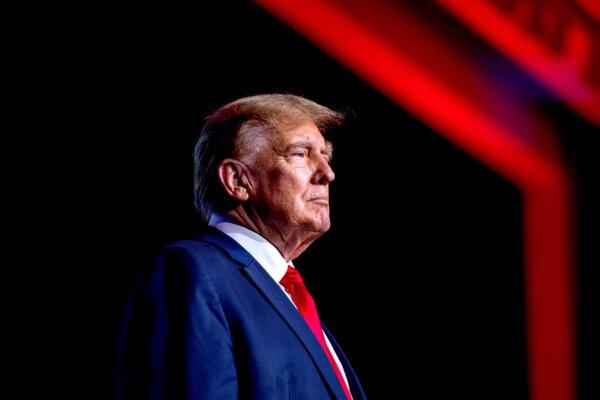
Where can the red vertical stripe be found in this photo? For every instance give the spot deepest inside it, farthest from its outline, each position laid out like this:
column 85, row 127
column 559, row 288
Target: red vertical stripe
column 542, row 180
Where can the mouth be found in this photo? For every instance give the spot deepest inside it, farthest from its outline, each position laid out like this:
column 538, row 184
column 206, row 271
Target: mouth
column 320, row 200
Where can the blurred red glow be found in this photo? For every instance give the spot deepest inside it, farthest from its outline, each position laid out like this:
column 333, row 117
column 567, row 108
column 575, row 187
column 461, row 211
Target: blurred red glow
column 425, row 73
column 547, row 39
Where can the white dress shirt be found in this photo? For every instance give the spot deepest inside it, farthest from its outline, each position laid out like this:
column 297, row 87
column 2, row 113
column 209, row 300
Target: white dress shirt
column 267, row 256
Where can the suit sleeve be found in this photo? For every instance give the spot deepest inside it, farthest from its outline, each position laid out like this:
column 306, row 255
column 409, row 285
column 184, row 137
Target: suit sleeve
column 188, row 352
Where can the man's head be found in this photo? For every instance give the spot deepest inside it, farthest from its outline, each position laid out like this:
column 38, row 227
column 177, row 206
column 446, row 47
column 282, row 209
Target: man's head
column 267, row 154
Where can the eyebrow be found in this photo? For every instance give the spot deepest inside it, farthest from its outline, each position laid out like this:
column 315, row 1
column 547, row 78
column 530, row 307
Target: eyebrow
column 328, row 150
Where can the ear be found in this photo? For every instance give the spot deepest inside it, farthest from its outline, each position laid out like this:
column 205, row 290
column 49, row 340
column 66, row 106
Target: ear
column 234, row 179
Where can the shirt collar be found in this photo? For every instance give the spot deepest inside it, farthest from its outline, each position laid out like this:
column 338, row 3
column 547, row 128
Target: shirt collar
column 259, row 248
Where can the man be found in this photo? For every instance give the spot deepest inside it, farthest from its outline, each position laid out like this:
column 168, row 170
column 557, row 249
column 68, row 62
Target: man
column 226, row 315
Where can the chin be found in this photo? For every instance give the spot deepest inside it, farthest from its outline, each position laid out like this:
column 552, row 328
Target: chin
column 321, row 224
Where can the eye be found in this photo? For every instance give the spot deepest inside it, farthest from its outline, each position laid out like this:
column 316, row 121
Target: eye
column 301, row 154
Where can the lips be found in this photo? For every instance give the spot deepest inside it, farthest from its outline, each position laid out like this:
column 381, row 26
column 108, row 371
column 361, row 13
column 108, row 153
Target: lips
column 320, row 199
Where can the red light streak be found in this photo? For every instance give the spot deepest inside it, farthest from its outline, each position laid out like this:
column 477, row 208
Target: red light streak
column 540, row 177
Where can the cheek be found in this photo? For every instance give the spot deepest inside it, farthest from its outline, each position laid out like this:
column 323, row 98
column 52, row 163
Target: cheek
column 291, row 185
column 280, row 193
column 286, row 190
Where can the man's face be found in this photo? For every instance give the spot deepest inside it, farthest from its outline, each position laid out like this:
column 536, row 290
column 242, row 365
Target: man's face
column 292, row 175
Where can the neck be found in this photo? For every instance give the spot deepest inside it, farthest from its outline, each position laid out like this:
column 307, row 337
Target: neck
column 290, row 241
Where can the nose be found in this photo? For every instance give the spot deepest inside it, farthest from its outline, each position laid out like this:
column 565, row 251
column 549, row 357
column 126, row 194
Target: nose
column 324, row 173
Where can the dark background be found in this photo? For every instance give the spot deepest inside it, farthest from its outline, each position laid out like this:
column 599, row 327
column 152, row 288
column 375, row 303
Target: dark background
column 420, row 277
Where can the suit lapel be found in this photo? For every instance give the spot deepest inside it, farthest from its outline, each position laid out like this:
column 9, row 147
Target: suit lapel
column 355, row 387
column 273, row 293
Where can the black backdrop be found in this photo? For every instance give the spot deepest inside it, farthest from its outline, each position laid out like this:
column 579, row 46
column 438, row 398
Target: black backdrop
column 420, row 277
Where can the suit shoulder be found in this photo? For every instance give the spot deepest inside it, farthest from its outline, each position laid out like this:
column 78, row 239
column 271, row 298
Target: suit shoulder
column 198, row 255
column 191, row 245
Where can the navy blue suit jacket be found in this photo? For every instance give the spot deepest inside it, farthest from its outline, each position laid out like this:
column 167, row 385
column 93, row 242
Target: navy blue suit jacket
column 212, row 324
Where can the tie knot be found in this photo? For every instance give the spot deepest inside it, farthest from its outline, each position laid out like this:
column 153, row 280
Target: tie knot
column 291, row 278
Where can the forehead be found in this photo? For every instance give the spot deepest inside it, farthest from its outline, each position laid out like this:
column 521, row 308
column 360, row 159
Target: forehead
column 305, row 132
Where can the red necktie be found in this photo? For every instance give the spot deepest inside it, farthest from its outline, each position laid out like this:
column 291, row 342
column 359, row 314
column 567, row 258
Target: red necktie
column 293, row 283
